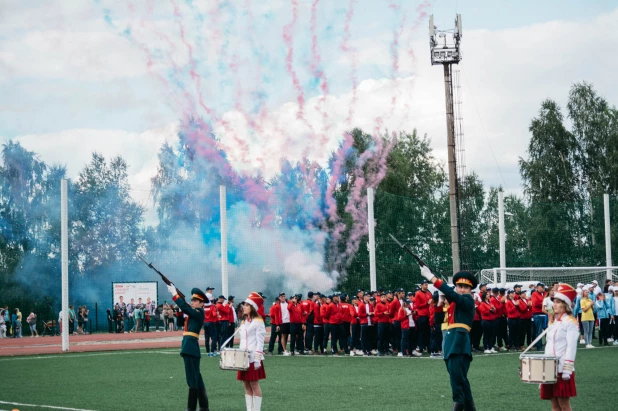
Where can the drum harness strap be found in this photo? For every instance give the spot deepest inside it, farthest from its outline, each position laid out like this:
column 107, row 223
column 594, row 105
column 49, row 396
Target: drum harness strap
column 535, row 341
column 232, row 336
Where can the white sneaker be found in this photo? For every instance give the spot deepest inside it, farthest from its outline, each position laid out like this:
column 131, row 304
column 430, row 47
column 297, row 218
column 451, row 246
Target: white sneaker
column 374, row 352
column 296, row 352
column 493, row 351
column 416, row 353
column 362, row 354
column 487, row 351
column 286, row 353
column 610, row 340
column 351, row 353
column 589, row 346
column 400, row 354
column 582, row 342
column 615, row 343
column 359, row 352
column 503, row 349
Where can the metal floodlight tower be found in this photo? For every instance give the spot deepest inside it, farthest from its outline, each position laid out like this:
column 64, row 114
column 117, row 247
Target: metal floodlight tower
column 444, row 49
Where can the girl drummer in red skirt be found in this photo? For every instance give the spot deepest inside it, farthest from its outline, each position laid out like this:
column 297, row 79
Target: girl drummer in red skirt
column 562, row 338
column 252, row 334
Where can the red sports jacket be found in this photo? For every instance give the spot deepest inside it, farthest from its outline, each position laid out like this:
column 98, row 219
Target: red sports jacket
column 346, row 314
column 334, row 314
column 381, row 315
column 526, row 312
column 210, row 314
column 421, row 303
column 537, row 302
column 296, row 316
column 512, row 311
column 275, row 314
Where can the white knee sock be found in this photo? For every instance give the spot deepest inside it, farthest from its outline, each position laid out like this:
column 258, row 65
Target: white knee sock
column 249, row 402
column 257, row 403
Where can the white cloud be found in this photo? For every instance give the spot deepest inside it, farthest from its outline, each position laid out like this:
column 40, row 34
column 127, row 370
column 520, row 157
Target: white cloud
column 507, row 73
column 74, row 148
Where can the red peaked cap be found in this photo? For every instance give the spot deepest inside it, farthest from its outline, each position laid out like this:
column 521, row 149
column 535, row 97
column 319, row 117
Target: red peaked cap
column 255, row 300
column 566, row 293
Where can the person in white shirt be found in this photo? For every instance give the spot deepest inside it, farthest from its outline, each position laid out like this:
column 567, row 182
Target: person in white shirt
column 597, row 290
column 562, row 336
column 548, row 304
column 285, row 323
column 578, row 290
column 252, row 334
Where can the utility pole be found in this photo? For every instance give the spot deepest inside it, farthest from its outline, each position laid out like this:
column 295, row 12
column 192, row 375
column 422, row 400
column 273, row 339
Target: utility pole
column 447, row 53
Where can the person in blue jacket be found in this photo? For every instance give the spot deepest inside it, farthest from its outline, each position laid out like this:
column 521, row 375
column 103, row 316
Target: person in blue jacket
column 605, row 313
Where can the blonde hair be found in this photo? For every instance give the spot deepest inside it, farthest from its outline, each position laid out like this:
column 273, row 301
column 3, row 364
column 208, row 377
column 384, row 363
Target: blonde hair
column 567, row 309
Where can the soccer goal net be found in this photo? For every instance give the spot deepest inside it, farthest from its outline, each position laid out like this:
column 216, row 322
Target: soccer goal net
column 548, row 275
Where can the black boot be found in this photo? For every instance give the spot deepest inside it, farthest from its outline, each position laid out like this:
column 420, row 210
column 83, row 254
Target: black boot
column 457, row 406
column 470, row 406
column 192, row 401
column 203, row 399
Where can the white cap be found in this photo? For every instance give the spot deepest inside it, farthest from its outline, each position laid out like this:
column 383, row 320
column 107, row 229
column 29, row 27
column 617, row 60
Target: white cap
column 610, row 288
column 580, row 284
column 595, row 282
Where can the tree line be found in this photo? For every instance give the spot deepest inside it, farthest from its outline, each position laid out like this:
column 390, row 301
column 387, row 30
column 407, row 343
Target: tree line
column 570, row 163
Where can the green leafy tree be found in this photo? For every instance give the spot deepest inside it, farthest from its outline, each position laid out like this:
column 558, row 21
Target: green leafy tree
column 551, row 183
column 106, row 225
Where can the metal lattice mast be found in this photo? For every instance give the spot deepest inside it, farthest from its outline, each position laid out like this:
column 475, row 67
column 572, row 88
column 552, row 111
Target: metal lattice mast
column 447, row 53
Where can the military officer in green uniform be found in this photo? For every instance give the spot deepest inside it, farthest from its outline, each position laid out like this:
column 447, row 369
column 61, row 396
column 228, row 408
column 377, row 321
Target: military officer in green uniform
column 457, row 347
column 190, row 349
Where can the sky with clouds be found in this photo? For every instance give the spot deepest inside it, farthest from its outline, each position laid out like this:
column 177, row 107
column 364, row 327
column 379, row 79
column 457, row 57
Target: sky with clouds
column 286, row 78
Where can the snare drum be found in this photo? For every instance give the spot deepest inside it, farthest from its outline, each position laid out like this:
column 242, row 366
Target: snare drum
column 535, row 369
column 234, row 359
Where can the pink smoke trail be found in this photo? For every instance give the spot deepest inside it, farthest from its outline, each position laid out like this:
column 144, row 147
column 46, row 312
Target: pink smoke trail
column 395, row 57
column 142, row 46
column 193, row 72
column 318, row 73
column 288, row 38
column 346, row 48
column 376, row 166
column 336, row 172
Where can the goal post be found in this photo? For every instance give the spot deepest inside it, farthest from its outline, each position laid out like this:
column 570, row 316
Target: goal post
column 547, row 275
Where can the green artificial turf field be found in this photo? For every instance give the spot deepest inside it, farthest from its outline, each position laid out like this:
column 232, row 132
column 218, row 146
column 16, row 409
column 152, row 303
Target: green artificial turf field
column 154, row 380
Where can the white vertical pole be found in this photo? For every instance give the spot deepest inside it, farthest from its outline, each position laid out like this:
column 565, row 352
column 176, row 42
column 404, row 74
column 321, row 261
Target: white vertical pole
column 495, row 276
column 372, row 241
column 608, row 236
column 223, row 205
column 64, row 231
column 502, row 236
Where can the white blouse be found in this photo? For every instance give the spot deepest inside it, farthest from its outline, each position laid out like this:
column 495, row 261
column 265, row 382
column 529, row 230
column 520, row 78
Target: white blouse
column 562, row 338
column 252, row 335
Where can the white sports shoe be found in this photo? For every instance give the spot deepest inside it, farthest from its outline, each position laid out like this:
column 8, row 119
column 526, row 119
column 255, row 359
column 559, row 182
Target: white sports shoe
column 374, row 352
column 582, row 342
column 416, row 353
column 503, row 349
column 590, row 346
column 610, row 340
column 492, row 351
column 487, row 351
column 286, row 354
column 359, row 352
column 400, row 354
column 351, row 353
column 615, row 343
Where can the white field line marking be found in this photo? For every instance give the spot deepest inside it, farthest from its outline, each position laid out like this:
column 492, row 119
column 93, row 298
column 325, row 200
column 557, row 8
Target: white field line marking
column 175, row 351
column 94, row 354
column 502, row 354
column 43, row 406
